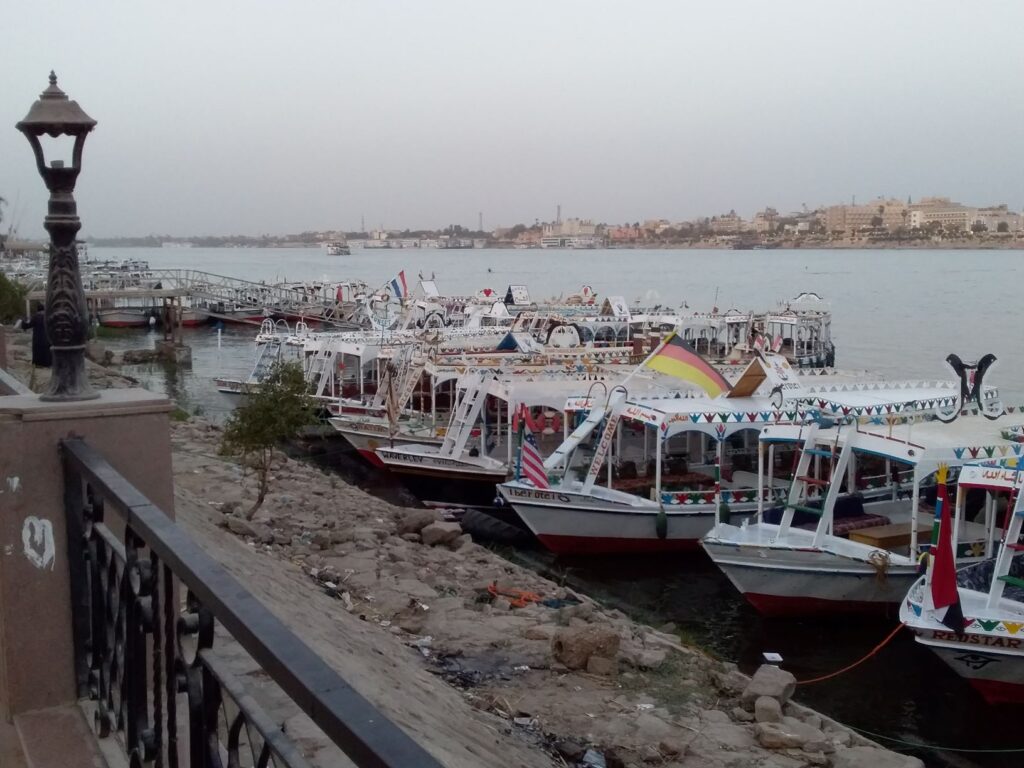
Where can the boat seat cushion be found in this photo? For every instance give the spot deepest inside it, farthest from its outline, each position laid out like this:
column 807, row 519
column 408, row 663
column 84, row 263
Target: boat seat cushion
column 847, row 508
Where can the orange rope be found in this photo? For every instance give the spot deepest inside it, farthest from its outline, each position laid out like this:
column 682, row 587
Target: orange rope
column 520, row 596
column 857, row 663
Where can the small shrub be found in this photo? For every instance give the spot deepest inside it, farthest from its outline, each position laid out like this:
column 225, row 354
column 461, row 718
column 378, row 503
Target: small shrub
column 12, row 300
column 275, row 412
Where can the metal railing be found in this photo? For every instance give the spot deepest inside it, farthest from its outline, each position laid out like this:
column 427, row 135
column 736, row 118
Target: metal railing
column 143, row 650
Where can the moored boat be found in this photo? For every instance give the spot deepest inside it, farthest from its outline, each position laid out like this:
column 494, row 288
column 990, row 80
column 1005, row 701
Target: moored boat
column 126, row 317
column 980, row 634
column 836, row 546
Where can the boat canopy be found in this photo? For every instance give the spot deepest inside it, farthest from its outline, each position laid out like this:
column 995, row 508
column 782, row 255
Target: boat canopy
column 925, row 444
column 994, row 474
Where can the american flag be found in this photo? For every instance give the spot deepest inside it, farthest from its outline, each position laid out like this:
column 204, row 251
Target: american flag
column 532, row 465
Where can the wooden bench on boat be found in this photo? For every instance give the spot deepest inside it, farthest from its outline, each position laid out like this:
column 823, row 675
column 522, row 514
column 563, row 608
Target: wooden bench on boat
column 891, row 536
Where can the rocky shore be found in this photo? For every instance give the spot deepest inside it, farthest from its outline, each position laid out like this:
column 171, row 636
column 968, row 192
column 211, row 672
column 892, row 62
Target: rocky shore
column 538, row 665
column 483, row 661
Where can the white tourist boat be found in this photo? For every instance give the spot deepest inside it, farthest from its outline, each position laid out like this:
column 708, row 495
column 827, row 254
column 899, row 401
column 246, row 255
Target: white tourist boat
column 690, row 460
column 832, row 548
column 126, row 316
column 338, row 248
column 987, row 649
column 476, row 452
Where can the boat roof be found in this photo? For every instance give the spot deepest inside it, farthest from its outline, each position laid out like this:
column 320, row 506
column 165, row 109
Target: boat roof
column 925, row 444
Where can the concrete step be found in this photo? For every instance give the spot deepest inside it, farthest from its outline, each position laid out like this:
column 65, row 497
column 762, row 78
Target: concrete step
column 57, row 736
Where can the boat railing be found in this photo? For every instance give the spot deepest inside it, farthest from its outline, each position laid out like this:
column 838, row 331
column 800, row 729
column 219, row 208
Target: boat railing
column 149, row 612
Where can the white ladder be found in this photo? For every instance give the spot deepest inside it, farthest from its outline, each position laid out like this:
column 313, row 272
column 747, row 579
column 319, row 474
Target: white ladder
column 321, row 370
column 465, row 415
column 413, row 373
column 1012, row 547
column 799, row 499
column 604, row 444
column 581, row 433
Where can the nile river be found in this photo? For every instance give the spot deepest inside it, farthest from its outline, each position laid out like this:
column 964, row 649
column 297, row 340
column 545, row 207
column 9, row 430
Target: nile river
column 899, row 313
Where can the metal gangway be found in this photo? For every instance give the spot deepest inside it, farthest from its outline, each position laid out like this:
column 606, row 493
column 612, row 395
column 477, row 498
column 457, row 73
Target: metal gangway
column 218, row 294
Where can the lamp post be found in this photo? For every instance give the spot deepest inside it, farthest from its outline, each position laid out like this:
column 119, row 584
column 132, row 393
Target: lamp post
column 55, row 115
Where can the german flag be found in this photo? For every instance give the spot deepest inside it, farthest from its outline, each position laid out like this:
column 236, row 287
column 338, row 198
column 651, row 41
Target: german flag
column 678, row 359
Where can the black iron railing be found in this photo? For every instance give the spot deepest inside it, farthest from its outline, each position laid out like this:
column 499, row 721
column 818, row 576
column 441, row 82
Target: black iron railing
column 145, row 604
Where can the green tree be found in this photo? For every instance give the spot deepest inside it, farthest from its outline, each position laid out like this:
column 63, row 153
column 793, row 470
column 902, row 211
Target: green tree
column 978, row 227
column 273, row 413
column 12, row 300
column 1003, row 226
column 876, row 221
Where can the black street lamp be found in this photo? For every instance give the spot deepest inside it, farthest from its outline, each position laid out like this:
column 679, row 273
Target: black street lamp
column 66, row 313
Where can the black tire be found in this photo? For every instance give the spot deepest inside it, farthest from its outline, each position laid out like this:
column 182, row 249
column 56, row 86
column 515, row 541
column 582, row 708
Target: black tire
column 484, row 527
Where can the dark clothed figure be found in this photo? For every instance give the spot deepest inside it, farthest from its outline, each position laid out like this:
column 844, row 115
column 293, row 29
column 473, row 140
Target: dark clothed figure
column 40, row 344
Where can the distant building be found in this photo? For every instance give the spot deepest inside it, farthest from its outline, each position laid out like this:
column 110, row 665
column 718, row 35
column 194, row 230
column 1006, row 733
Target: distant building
column 952, row 216
column 728, row 224
column 887, row 214
column 764, row 221
column 624, row 234
column 996, row 215
column 570, row 228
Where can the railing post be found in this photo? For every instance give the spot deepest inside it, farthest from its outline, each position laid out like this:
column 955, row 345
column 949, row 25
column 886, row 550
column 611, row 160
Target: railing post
column 75, row 520
column 46, row 633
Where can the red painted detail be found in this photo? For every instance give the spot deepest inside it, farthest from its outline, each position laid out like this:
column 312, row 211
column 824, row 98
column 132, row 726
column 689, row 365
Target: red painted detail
column 998, row 691
column 590, row 545
column 371, row 456
column 776, row 605
column 125, row 323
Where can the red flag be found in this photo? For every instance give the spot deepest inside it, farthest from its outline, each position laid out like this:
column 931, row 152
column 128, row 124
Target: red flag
column 945, row 595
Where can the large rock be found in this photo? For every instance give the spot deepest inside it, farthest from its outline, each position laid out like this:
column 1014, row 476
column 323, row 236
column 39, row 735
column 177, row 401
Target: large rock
column 767, row 710
column 768, row 681
column 872, row 757
column 249, row 529
column 787, row 734
column 415, row 520
column 573, row 646
column 436, row 534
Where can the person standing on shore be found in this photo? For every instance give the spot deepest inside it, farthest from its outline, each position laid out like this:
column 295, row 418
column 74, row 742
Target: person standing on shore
column 41, row 356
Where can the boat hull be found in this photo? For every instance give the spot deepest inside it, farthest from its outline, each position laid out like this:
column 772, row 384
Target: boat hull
column 436, row 478
column 993, row 666
column 366, row 439
column 807, row 582
column 192, row 318
column 123, row 318
column 570, row 523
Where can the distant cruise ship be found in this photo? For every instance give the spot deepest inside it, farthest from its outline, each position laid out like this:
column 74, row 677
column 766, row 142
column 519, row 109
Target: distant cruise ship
column 338, row 248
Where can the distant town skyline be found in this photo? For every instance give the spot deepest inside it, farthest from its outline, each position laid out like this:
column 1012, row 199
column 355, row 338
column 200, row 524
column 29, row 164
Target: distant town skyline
column 274, row 118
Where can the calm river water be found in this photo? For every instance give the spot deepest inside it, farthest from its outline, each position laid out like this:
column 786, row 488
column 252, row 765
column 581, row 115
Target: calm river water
column 899, row 313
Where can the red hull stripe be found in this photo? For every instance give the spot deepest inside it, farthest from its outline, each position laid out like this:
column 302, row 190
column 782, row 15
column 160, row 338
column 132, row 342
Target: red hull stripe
column 774, row 605
column 371, row 456
column 589, row 545
column 997, row 691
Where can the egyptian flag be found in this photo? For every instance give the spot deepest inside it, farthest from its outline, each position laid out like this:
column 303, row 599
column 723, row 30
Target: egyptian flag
column 678, row 359
column 945, row 596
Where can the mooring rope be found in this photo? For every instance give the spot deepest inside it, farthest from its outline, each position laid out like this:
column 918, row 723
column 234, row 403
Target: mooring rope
column 934, row 747
column 857, row 663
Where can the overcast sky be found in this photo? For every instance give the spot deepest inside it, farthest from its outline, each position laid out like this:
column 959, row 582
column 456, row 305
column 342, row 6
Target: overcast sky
column 273, row 117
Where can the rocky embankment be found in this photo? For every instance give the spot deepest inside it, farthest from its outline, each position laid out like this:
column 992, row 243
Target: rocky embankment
column 546, row 668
